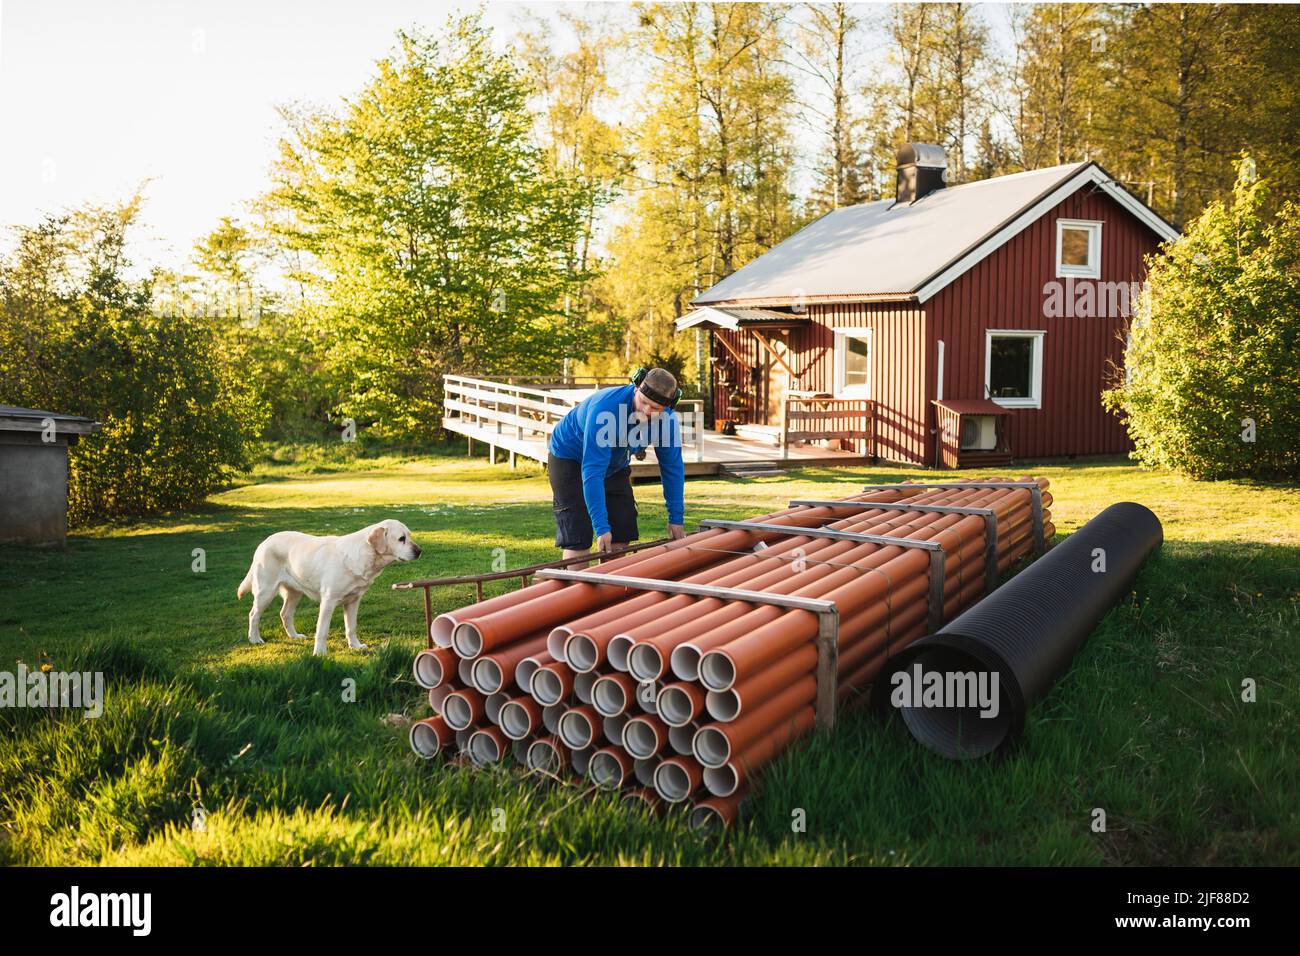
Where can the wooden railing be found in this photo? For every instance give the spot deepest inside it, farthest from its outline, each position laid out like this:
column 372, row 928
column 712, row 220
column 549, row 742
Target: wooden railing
column 515, row 415
column 816, row 418
column 523, row 412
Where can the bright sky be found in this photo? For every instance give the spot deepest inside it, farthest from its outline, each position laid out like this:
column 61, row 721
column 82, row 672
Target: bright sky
column 97, row 96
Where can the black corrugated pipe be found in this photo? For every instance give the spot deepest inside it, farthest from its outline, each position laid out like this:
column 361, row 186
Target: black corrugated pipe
column 1024, row 635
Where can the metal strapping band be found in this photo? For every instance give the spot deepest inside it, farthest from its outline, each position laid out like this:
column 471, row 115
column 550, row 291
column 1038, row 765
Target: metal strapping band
column 1034, row 489
column 989, row 516
column 762, row 556
column 937, row 558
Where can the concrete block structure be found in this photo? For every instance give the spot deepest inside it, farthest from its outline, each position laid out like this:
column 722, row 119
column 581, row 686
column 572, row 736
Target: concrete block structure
column 34, row 474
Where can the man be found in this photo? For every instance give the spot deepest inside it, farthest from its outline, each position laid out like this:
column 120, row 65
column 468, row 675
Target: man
column 589, row 467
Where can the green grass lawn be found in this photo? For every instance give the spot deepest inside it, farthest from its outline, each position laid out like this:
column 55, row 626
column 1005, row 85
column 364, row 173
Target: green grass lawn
column 1148, row 725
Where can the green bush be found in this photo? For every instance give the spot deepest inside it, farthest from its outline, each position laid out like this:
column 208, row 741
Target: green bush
column 1213, row 367
column 78, row 336
column 431, row 225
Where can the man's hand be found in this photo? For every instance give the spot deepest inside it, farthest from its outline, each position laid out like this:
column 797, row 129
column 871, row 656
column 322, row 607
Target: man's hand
column 676, row 531
column 605, row 542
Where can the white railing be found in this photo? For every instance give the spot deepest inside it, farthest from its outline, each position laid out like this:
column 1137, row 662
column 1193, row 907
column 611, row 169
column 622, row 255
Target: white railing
column 520, row 413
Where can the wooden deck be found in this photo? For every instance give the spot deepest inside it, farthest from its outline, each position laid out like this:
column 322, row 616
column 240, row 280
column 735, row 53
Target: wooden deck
column 719, row 450
column 515, row 420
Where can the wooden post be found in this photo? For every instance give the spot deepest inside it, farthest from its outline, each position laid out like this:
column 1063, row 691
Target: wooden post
column 699, row 430
column 519, row 430
column 785, row 427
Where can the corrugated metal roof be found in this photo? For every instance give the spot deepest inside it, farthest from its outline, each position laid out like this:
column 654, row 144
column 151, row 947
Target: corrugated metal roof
column 760, row 316
column 14, row 418
column 13, row 411
column 884, row 249
column 734, row 318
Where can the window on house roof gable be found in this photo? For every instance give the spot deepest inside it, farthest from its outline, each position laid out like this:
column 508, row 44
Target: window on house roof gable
column 1078, row 248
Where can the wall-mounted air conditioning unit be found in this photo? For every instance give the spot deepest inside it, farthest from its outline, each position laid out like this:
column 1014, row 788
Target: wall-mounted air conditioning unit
column 979, row 432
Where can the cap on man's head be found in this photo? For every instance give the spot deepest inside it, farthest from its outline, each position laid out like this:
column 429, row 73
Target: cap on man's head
column 659, row 385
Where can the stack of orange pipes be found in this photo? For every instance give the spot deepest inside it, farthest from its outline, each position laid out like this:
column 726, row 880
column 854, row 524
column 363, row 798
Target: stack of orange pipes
column 680, row 698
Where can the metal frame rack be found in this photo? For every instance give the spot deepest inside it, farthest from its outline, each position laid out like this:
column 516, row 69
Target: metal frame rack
column 828, row 615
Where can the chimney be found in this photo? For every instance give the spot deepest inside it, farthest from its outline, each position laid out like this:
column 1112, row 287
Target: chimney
column 922, row 168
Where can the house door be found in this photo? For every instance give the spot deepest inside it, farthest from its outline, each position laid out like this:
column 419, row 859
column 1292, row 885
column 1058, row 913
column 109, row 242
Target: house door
column 778, row 379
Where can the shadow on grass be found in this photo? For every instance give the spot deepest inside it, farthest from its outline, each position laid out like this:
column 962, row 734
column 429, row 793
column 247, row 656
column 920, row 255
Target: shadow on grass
column 1148, row 724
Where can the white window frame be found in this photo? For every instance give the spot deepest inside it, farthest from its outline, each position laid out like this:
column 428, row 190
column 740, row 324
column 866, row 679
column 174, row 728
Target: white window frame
column 1035, row 399
column 1093, row 269
column 841, row 335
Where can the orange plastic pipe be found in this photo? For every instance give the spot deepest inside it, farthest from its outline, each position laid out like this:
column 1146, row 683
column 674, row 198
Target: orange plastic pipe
column 504, row 662
column 670, row 561
column 716, row 812
column 730, row 778
column 609, row 767
column 718, row 742
column 580, row 726
column 525, row 669
column 429, row 736
column 644, row 736
column 444, row 624
column 729, row 704
column 551, row 683
column 488, row 745
column 612, row 694
column 520, row 717
column 683, row 702
column 434, row 666
column 547, row 755
column 677, row 778
column 463, row 708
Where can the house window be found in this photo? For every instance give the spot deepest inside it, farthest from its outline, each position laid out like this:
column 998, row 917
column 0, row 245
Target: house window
column 1013, row 368
column 853, row 363
column 1078, row 248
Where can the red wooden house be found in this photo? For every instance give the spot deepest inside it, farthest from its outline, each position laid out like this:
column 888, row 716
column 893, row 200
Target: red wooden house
column 957, row 326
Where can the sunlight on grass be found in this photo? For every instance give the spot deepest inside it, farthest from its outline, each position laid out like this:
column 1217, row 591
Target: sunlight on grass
column 1148, row 723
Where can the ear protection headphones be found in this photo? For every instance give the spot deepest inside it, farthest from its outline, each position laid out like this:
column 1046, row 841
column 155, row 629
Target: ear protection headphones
column 638, row 377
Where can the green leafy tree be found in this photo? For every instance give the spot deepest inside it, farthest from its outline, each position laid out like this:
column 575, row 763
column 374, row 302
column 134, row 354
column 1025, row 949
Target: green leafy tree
column 574, row 101
column 711, row 189
column 281, row 351
column 1054, row 81
column 439, row 237
column 78, row 335
column 1213, row 363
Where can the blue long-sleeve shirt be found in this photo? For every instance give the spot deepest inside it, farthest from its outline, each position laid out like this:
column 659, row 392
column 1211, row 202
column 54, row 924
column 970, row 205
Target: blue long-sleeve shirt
column 601, row 434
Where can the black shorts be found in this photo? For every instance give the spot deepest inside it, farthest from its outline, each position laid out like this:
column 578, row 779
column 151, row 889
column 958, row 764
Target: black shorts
column 573, row 529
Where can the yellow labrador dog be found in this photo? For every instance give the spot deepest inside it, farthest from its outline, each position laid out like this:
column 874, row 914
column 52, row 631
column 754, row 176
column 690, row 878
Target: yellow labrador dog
column 333, row 570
